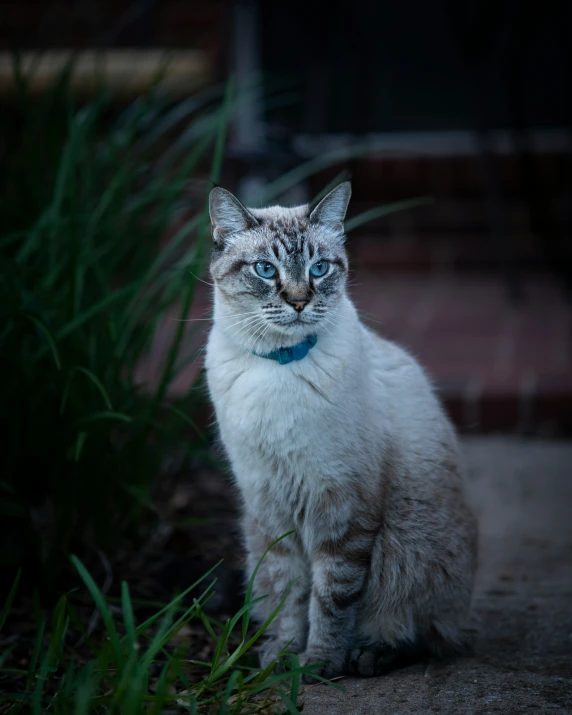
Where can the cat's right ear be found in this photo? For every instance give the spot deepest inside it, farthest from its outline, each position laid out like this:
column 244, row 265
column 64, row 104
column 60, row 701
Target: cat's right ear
column 228, row 216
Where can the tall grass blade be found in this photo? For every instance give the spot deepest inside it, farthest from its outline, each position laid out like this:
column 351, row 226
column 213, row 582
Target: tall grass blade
column 128, row 618
column 101, row 604
column 143, row 626
column 338, row 179
column 308, row 168
column 248, row 595
column 289, row 702
column 94, row 310
column 189, row 293
column 381, row 211
column 47, row 334
column 58, row 634
column 86, row 685
column 106, row 415
column 96, row 382
column 7, row 607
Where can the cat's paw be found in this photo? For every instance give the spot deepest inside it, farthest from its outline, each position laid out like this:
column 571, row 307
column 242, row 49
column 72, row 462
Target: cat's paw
column 332, row 664
column 272, row 648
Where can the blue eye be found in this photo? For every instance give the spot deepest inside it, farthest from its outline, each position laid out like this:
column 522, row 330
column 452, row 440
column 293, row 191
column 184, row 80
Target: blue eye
column 319, row 269
column 265, row 269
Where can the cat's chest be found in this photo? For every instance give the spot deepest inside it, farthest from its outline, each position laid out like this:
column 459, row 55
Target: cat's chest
column 292, row 432
column 279, row 418
column 270, row 407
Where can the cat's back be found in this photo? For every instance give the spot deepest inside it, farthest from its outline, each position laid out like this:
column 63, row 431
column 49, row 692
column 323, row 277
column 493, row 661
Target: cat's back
column 410, row 406
column 391, row 368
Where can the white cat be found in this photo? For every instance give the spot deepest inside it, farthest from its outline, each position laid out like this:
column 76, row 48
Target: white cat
column 335, row 433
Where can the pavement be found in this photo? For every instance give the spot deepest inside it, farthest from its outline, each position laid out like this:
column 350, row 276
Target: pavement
column 522, row 494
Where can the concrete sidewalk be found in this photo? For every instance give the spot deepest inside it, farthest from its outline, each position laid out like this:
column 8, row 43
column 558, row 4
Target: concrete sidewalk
column 522, row 494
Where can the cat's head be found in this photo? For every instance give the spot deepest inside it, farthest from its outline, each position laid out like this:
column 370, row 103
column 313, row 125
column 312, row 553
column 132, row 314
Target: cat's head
column 281, row 269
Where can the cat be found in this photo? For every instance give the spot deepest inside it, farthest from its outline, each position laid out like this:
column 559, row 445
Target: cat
column 335, row 434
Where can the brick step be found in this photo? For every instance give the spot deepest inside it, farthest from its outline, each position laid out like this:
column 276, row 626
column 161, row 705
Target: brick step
column 396, row 177
column 497, row 367
column 539, row 407
column 447, row 214
column 429, row 252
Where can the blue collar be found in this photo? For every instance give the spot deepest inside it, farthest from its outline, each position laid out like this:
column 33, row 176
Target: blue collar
column 296, row 352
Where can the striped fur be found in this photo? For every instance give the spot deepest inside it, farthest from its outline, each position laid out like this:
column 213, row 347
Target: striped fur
column 348, row 447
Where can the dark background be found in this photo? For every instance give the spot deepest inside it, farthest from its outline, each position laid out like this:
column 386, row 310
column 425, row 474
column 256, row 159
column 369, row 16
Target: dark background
column 464, row 103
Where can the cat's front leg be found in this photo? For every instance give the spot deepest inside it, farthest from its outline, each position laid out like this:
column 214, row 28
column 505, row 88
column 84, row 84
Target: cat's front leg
column 283, row 574
column 289, row 574
column 339, row 573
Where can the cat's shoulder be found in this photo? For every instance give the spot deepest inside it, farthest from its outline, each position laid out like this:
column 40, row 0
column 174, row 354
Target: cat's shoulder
column 388, row 354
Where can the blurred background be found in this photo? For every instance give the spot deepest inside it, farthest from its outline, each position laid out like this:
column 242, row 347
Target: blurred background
column 116, row 118
column 466, row 107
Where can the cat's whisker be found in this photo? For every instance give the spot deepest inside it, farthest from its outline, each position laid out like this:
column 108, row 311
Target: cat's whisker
column 243, row 331
column 266, row 332
column 367, row 317
column 201, row 280
column 253, row 340
column 327, row 330
column 331, row 315
column 252, row 325
column 250, row 333
column 189, row 320
column 247, row 321
column 197, row 356
column 212, row 318
column 263, row 334
column 254, row 332
column 260, row 339
column 242, row 323
column 246, row 352
column 330, row 320
column 238, row 315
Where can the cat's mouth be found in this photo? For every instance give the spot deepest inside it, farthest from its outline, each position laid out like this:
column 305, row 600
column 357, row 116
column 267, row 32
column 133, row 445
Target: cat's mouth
column 296, row 321
column 293, row 322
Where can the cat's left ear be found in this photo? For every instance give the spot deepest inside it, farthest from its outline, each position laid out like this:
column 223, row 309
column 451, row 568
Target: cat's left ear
column 331, row 211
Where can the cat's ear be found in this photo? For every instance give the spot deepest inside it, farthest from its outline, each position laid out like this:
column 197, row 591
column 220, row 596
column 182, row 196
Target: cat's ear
column 331, row 211
column 228, row 216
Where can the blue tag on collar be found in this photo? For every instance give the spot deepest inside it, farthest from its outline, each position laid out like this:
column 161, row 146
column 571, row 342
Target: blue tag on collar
column 287, row 355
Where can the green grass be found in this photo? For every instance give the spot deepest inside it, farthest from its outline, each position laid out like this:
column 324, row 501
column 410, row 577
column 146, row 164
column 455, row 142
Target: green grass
column 132, row 667
column 89, row 195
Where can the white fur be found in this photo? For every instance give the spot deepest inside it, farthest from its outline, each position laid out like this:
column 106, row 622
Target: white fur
column 368, row 394
column 349, row 447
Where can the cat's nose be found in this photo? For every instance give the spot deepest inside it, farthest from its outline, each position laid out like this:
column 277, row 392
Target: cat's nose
column 298, row 303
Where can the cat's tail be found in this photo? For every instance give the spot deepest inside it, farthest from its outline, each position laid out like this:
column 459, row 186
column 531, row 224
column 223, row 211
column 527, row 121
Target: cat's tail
column 443, row 640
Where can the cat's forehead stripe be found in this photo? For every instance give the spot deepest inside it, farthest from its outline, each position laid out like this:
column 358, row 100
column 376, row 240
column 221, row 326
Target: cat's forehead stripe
column 286, row 224
column 288, row 232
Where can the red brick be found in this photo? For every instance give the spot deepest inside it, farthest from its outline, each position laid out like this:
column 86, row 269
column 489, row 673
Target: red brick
column 552, row 403
column 460, row 344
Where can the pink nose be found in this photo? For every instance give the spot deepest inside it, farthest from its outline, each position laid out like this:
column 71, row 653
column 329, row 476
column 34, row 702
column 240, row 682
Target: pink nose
column 298, row 305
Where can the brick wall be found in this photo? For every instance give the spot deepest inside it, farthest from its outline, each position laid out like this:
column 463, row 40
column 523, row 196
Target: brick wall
column 37, row 24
